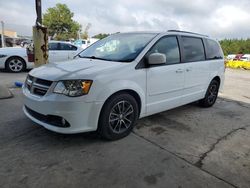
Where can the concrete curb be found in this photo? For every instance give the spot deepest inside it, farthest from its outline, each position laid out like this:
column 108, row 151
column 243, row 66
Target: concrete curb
column 5, row 92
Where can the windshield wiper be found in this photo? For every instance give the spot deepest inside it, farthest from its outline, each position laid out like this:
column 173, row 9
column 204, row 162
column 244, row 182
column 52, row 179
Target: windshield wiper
column 94, row 57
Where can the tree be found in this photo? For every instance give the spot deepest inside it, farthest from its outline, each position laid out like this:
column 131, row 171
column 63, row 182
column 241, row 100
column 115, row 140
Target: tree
column 60, row 23
column 235, row 46
column 101, row 35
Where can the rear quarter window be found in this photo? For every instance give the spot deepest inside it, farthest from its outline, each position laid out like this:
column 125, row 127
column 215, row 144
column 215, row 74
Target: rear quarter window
column 213, row 50
column 193, row 49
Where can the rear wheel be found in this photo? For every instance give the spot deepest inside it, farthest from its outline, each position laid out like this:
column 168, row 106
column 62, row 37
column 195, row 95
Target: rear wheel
column 15, row 64
column 211, row 94
column 118, row 117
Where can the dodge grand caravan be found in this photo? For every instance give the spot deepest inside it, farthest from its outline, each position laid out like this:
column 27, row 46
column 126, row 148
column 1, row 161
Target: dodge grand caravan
column 124, row 77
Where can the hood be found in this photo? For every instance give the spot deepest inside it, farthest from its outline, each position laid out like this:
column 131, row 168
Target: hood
column 74, row 69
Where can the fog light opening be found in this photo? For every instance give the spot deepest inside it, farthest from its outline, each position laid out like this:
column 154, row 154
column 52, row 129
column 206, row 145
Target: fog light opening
column 63, row 122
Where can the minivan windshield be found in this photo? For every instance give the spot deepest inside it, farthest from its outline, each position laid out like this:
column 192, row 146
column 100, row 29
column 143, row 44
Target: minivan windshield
column 122, row 47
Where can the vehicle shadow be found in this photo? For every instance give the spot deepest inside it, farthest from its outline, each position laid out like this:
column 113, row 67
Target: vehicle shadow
column 34, row 133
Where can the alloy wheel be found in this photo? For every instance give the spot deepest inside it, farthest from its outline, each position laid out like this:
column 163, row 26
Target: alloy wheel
column 212, row 93
column 16, row 65
column 121, row 116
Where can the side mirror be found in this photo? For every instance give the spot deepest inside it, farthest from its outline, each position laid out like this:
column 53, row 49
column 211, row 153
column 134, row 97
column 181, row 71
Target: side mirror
column 156, row 59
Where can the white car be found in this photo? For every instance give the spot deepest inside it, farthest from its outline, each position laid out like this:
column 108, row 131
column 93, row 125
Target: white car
column 245, row 57
column 124, row 77
column 15, row 59
column 231, row 56
column 83, row 43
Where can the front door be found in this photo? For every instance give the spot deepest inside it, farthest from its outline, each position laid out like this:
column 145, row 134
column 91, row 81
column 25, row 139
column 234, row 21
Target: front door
column 165, row 82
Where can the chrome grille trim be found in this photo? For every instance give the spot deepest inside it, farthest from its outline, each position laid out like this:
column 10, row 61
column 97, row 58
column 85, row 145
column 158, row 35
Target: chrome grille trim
column 37, row 86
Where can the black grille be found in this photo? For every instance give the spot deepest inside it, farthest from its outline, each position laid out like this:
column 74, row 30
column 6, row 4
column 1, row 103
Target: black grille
column 40, row 92
column 43, row 82
column 49, row 119
column 37, row 86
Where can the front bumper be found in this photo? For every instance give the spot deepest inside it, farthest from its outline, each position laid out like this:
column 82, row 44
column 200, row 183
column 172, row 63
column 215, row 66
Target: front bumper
column 81, row 116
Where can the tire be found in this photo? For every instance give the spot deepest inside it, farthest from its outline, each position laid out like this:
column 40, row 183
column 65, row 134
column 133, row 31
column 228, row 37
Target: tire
column 211, row 94
column 15, row 64
column 118, row 117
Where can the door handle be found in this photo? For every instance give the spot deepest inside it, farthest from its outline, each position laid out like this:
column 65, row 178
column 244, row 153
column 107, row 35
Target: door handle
column 179, row 71
column 189, row 69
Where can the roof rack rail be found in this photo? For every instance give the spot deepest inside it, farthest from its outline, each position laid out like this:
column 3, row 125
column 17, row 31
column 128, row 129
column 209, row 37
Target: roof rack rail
column 187, row 32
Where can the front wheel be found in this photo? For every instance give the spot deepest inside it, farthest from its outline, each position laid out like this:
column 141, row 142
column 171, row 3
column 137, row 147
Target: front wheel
column 211, row 94
column 118, row 116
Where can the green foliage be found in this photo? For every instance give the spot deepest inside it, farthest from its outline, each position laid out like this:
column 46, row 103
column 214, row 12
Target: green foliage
column 235, row 46
column 60, row 23
column 101, row 36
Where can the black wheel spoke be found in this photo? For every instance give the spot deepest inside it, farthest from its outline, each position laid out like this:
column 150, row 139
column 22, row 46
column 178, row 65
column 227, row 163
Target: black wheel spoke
column 120, row 125
column 122, row 121
column 127, row 120
column 116, row 125
column 129, row 111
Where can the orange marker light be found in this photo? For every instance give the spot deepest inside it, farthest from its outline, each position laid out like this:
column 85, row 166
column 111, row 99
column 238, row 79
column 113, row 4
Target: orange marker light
column 86, row 86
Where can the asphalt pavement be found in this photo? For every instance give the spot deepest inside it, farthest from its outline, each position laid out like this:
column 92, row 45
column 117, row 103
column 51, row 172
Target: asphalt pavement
column 185, row 147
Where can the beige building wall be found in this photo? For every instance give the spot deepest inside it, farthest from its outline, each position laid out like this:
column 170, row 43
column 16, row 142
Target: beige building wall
column 9, row 33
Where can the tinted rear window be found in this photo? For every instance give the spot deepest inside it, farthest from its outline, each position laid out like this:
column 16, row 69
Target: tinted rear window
column 193, row 49
column 213, row 50
column 67, row 47
column 53, row 46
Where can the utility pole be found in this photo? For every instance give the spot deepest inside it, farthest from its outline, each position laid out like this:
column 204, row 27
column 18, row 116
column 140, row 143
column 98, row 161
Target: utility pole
column 39, row 12
column 40, row 38
column 2, row 36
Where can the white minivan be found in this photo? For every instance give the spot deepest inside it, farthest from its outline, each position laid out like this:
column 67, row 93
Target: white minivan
column 124, row 77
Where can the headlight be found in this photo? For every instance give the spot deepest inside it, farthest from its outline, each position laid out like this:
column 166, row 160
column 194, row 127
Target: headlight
column 73, row 88
column 1, row 55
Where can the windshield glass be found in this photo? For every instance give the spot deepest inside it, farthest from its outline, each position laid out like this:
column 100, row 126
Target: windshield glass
column 118, row 47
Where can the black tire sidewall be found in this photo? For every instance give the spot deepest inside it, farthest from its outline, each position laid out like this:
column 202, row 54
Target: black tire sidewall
column 204, row 102
column 8, row 67
column 103, row 126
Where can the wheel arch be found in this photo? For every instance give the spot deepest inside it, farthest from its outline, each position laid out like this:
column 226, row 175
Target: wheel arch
column 130, row 92
column 217, row 78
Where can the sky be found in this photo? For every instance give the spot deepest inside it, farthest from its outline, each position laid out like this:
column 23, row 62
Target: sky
column 217, row 18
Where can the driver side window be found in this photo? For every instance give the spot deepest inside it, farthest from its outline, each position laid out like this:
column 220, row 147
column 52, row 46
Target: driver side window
column 169, row 47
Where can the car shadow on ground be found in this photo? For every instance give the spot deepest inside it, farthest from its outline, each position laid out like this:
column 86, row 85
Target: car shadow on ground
column 159, row 123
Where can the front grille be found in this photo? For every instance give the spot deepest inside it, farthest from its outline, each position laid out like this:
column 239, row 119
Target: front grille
column 49, row 119
column 37, row 86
